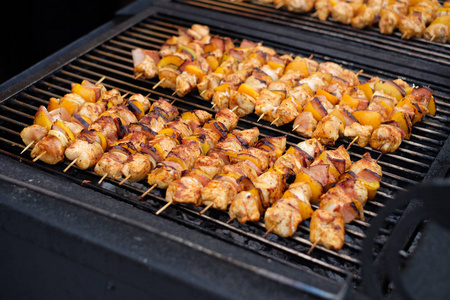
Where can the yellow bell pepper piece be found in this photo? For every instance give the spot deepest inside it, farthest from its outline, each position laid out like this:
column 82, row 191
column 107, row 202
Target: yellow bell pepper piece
column 249, row 90
column 330, row 97
column 366, row 117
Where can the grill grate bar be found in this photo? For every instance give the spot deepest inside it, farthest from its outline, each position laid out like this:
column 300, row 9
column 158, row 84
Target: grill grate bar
column 23, row 105
column 435, row 125
column 13, row 121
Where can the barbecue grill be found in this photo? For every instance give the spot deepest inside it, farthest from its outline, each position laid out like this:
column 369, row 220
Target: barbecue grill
column 64, row 235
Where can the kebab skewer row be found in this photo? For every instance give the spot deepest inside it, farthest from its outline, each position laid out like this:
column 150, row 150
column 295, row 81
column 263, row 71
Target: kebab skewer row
column 188, row 188
column 134, row 157
column 284, row 216
column 361, row 110
column 51, row 148
column 239, row 176
column 245, row 165
column 113, row 124
column 110, row 163
column 79, row 103
column 182, row 157
column 272, row 183
column 340, row 193
column 299, row 91
column 361, row 182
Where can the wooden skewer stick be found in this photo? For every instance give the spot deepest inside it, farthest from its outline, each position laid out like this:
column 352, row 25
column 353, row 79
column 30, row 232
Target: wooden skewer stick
column 164, row 207
column 279, row 5
column 125, row 179
column 70, row 165
column 268, row 231
column 148, row 95
column 123, row 97
column 313, row 246
column 176, row 91
column 311, row 56
column 295, row 127
column 276, row 119
column 354, row 140
column 229, row 221
column 149, row 190
column 206, row 208
column 100, row 80
column 103, row 178
column 379, row 156
column 39, row 156
column 260, row 117
column 432, row 38
column 138, row 75
column 27, row 147
column 234, row 108
column 156, row 85
column 204, row 91
column 359, row 72
column 214, row 105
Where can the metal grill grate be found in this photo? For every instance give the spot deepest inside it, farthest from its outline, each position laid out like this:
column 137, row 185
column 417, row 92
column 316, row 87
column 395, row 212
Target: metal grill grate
column 408, row 166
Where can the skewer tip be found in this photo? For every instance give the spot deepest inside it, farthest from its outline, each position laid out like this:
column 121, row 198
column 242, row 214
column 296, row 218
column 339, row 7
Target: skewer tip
column 148, row 191
column 260, row 117
column 313, row 246
column 268, row 231
column 39, row 156
column 274, row 121
column 295, row 127
column 206, row 208
column 27, row 147
column 70, row 165
column 159, row 82
column 352, row 142
column 164, row 207
column 103, row 178
column 100, row 80
column 229, row 221
column 138, row 76
column 125, row 179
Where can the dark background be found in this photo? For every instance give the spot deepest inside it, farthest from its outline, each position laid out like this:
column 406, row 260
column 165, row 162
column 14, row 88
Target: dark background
column 32, row 30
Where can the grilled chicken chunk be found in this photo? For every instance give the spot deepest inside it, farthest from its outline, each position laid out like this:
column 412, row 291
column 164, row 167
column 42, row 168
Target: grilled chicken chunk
column 164, row 173
column 328, row 130
column 52, row 146
column 33, row 133
column 327, row 229
column 386, row 138
column 137, row 166
column 363, row 132
column 87, row 153
column 111, row 163
column 336, row 200
column 285, row 215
